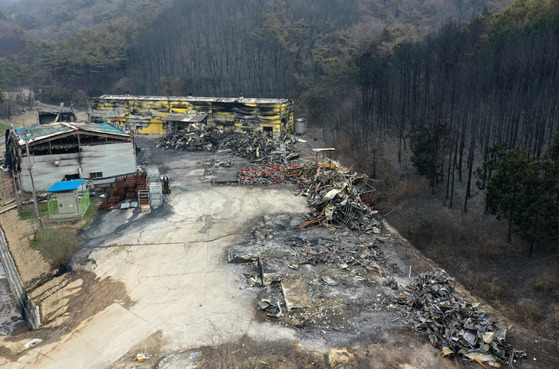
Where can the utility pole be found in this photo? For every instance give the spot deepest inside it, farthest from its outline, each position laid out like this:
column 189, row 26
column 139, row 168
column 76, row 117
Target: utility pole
column 13, row 173
column 35, row 204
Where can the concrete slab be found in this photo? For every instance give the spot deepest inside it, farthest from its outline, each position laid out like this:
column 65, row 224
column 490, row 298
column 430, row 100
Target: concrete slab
column 95, row 343
column 296, row 293
column 173, row 260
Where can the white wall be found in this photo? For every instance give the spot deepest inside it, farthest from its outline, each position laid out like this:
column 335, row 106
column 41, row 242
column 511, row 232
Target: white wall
column 45, row 172
column 110, row 159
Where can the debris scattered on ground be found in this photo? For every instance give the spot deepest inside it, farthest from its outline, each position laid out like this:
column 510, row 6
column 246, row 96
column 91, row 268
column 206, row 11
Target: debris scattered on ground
column 256, row 145
column 264, row 175
column 196, row 137
column 454, row 325
column 270, row 303
column 340, row 358
column 316, row 280
column 336, row 196
column 141, row 357
column 33, row 343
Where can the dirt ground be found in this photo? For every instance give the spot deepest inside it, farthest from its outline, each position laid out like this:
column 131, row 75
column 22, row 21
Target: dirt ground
column 31, row 266
column 28, row 116
column 159, row 284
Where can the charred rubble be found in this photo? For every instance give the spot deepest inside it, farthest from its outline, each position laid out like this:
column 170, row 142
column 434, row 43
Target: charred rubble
column 255, row 145
column 454, row 325
column 339, row 198
column 315, row 280
column 341, row 281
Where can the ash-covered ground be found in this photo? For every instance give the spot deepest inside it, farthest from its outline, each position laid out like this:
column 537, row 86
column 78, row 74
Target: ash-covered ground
column 325, row 282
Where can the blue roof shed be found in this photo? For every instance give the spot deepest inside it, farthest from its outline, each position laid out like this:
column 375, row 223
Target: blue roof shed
column 66, row 185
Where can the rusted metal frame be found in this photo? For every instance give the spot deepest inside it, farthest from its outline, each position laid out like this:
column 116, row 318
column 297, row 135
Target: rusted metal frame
column 313, row 223
column 348, row 211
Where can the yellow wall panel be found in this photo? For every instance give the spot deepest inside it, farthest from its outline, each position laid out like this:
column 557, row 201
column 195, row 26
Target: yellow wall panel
column 144, row 113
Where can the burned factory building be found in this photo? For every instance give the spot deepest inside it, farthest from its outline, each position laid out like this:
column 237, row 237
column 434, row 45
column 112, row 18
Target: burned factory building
column 53, row 152
column 166, row 114
column 47, row 114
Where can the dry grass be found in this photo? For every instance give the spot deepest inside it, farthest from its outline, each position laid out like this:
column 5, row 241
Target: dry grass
column 529, row 310
column 482, row 284
column 547, row 282
column 246, row 353
column 552, row 323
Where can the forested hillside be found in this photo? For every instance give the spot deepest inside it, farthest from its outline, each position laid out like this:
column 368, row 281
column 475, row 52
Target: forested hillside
column 48, row 20
column 216, row 47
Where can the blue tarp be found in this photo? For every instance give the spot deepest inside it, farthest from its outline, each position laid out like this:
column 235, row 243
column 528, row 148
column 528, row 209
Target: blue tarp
column 66, row 185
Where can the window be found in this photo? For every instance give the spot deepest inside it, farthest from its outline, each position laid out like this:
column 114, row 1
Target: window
column 94, row 175
column 69, row 177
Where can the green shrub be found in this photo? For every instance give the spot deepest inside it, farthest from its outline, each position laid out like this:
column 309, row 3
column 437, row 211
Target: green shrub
column 57, row 246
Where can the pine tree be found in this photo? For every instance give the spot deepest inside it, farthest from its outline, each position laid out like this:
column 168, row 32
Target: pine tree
column 506, row 188
column 525, row 191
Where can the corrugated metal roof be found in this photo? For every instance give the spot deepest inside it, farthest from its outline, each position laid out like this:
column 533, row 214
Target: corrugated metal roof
column 66, row 185
column 100, row 128
column 186, row 118
column 36, row 132
column 39, row 132
column 242, row 100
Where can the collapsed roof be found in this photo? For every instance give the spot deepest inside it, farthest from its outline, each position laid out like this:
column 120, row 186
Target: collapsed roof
column 35, row 135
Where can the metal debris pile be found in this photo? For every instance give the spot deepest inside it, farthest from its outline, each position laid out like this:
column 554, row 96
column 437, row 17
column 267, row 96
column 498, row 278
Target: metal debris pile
column 264, row 175
column 196, row 137
column 256, row 145
column 454, row 325
column 339, row 198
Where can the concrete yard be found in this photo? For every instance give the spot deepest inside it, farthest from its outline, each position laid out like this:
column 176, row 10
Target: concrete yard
column 172, row 263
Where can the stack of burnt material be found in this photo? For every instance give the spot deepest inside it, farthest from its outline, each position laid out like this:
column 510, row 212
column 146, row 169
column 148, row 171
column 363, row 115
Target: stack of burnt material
column 248, row 145
column 114, row 195
column 255, row 146
column 124, row 188
column 454, row 325
column 339, row 198
column 196, row 137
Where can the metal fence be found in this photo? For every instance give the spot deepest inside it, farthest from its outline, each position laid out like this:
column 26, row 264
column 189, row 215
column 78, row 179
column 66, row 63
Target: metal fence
column 29, row 310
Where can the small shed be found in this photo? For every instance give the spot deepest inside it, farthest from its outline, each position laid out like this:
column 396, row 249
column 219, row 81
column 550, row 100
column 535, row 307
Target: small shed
column 68, row 199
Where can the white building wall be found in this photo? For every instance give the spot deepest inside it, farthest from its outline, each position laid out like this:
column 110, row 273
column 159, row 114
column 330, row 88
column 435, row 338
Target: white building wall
column 46, row 171
column 110, row 159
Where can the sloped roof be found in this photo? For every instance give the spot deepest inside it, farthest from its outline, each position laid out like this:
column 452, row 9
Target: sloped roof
column 44, row 131
column 195, row 99
column 66, row 185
